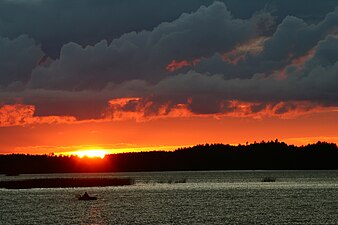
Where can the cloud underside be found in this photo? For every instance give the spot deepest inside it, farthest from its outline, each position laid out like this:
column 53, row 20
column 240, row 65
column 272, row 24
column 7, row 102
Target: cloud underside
column 205, row 63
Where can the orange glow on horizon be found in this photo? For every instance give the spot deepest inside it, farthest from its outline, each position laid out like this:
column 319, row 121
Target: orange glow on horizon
column 100, row 153
column 170, row 133
column 91, row 153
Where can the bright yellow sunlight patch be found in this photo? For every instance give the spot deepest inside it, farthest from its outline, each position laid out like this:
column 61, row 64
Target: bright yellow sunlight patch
column 91, row 153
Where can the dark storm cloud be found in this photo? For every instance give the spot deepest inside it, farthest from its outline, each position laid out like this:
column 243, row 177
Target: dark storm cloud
column 82, row 104
column 146, row 54
column 292, row 39
column 18, row 57
column 54, row 23
column 316, row 80
column 295, row 60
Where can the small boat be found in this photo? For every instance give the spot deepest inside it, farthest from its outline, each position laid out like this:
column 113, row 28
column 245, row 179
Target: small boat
column 86, row 197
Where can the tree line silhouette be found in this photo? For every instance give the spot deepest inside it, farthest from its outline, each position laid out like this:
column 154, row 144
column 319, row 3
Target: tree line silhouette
column 272, row 155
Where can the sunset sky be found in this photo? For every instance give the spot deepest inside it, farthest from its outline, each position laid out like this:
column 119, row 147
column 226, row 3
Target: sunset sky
column 130, row 75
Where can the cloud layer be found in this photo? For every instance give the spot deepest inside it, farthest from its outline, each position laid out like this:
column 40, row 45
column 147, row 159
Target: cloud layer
column 205, row 62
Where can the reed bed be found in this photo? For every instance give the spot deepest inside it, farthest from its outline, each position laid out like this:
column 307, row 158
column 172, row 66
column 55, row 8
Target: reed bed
column 65, row 183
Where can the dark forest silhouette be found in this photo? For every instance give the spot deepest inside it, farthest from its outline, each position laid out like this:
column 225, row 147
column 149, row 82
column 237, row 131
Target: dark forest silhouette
column 272, row 155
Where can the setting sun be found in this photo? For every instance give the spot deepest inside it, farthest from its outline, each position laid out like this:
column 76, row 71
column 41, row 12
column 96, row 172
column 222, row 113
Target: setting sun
column 92, row 153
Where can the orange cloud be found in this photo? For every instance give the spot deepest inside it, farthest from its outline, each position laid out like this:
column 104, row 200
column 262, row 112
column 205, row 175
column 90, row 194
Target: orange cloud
column 22, row 115
column 233, row 57
column 298, row 62
column 139, row 109
column 236, row 55
column 283, row 110
column 143, row 109
column 254, row 46
column 175, row 65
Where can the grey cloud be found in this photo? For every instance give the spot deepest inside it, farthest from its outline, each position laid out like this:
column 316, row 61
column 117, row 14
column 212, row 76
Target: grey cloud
column 18, row 57
column 83, row 79
column 293, row 39
column 82, row 104
column 145, row 55
column 316, row 80
column 294, row 36
column 54, row 23
column 203, row 93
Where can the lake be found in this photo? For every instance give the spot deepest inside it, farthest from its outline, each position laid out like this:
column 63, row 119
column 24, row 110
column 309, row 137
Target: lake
column 203, row 197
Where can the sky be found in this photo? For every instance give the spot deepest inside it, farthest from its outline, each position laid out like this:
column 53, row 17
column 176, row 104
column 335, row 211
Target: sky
column 129, row 75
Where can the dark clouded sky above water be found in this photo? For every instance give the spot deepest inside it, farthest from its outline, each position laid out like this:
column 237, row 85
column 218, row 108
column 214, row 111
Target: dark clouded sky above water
column 245, row 70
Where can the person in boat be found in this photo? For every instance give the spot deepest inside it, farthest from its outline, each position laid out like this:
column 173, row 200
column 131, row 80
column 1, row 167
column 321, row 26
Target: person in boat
column 85, row 196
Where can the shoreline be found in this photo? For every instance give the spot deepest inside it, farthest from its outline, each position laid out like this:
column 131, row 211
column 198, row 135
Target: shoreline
column 65, row 183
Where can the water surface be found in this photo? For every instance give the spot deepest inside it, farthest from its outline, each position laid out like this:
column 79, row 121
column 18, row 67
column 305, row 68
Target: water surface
column 213, row 197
